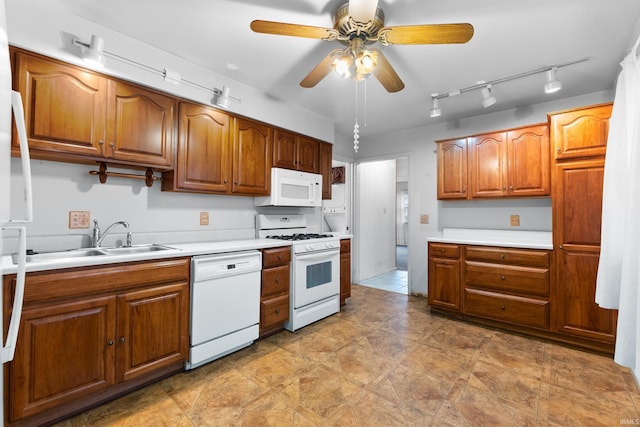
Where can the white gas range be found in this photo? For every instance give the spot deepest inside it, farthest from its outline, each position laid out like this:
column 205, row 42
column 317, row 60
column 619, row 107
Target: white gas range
column 315, row 267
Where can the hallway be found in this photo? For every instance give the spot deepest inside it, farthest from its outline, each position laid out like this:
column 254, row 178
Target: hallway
column 393, row 281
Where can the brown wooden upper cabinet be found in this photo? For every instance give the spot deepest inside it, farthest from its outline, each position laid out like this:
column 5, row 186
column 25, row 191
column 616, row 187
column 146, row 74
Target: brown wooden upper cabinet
column 203, row 161
column 252, row 151
column 511, row 163
column 76, row 115
column 292, row 151
column 580, row 132
column 326, row 156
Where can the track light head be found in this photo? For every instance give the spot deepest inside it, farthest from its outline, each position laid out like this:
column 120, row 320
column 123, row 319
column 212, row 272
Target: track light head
column 435, row 109
column 93, row 52
column 487, row 98
column 553, row 84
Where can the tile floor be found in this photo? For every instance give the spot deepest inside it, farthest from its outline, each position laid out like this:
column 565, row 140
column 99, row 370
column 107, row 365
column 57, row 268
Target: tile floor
column 385, row 361
column 393, row 281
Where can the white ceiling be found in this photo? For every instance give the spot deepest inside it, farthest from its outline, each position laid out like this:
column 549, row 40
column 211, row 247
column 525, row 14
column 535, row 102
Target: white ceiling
column 510, row 37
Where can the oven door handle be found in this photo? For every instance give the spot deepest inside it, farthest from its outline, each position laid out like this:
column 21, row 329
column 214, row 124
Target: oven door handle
column 326, row 254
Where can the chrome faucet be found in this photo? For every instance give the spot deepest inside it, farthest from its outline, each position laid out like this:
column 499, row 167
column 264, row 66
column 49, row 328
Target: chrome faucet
column 97, row 237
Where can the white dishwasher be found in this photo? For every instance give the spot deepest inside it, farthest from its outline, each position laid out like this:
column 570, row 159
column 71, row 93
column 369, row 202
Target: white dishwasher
column 225, row 304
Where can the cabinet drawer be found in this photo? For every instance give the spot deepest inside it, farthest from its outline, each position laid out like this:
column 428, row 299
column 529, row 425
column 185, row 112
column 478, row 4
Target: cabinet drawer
column 275, row 281
column 527, row 280
column 445, row 250
column 276, row 256
column 274, row 311
column 508, row 308
column 533, row 258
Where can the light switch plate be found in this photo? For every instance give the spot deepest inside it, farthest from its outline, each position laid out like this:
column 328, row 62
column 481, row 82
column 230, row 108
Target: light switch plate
column 204, row 218
column 424, row 219
column 79, row 219
column 515, row 220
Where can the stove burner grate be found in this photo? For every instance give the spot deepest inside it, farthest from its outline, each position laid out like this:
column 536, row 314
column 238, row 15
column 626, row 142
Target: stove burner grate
column 300, row 236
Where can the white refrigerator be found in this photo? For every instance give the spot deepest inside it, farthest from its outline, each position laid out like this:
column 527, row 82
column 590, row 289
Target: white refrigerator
column 11, row 101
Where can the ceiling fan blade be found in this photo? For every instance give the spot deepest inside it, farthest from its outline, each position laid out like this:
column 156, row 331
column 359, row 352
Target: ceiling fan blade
column 320, row 71
column 386, row 75
column 295, row 30
column 426, row 34
column 363, row 10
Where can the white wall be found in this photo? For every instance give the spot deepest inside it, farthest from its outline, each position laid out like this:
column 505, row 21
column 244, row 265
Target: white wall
column 48, row 30
column 376, row 218
column 419, row 145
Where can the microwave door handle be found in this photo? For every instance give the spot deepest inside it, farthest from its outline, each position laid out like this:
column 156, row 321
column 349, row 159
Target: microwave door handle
column 18, row 113
column 9, row 348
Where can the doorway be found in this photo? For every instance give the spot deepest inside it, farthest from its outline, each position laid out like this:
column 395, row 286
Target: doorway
column 382, row 219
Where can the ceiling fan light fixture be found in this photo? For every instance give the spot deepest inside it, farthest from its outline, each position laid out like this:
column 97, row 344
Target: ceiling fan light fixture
column 342, row 66
column 487, row 98
column 366, row 61
column 435, row 109
column 553, row 84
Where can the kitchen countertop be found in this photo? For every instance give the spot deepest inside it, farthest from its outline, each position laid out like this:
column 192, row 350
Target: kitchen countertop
column 178, row 250
column 506, row 238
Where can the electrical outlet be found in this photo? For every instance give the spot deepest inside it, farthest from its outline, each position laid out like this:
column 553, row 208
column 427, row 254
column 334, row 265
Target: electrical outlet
column 79, row 219
column 204, row 218
column 424, row 219
column 515, row 220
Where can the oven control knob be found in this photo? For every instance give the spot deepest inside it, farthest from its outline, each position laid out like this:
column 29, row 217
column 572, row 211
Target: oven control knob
column 308, row 247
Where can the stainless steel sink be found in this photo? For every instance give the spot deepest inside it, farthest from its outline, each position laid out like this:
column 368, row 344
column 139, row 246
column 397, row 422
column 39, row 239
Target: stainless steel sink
column 53, row 256
column 90, row 252
column 135, row 249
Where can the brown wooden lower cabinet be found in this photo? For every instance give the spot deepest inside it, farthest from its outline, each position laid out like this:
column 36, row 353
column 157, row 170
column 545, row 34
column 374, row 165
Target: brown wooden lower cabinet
column 274, row 290
column 515, row 289
column 345, row 270
column 88, row 335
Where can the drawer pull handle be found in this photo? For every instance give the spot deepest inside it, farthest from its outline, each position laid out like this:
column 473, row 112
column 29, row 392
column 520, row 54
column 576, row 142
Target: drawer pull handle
column 277, row 311
column 122, row 339
column 501, row 277
column 442, row 250
column 277, row 280
column 502, row 256
column 110, row 342
column 503, row 308
column 279, row 257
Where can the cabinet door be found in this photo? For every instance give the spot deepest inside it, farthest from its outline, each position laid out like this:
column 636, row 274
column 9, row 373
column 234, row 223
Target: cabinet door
column 64, row 108
column 153, row 329
column 64, row 352
column 345, row 277
column 528, row 158
column 204, row 151
column 326, row 156
column 444, row 283
column 252, row 150
column 139, row 126
column 284, row 149
column 452, row 169
column 577, row 207
column 488, row 165
column 581, row 132
column 308, row 155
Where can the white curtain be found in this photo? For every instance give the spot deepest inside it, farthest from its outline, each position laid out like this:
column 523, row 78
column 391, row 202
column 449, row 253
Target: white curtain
column 618, row 279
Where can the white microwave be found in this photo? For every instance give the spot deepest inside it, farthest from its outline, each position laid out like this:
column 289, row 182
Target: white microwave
column 293, row 188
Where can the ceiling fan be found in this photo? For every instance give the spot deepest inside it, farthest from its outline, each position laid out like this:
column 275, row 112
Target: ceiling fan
column 358, row 24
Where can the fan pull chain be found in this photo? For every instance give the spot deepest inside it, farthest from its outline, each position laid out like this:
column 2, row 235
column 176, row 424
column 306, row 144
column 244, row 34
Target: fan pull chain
column 356, row 127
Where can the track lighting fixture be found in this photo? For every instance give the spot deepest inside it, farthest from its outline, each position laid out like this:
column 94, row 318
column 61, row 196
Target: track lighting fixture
column 552, row 85
column 487, row 98
column 221, row 97
column 435, row 109
column 95, row 53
